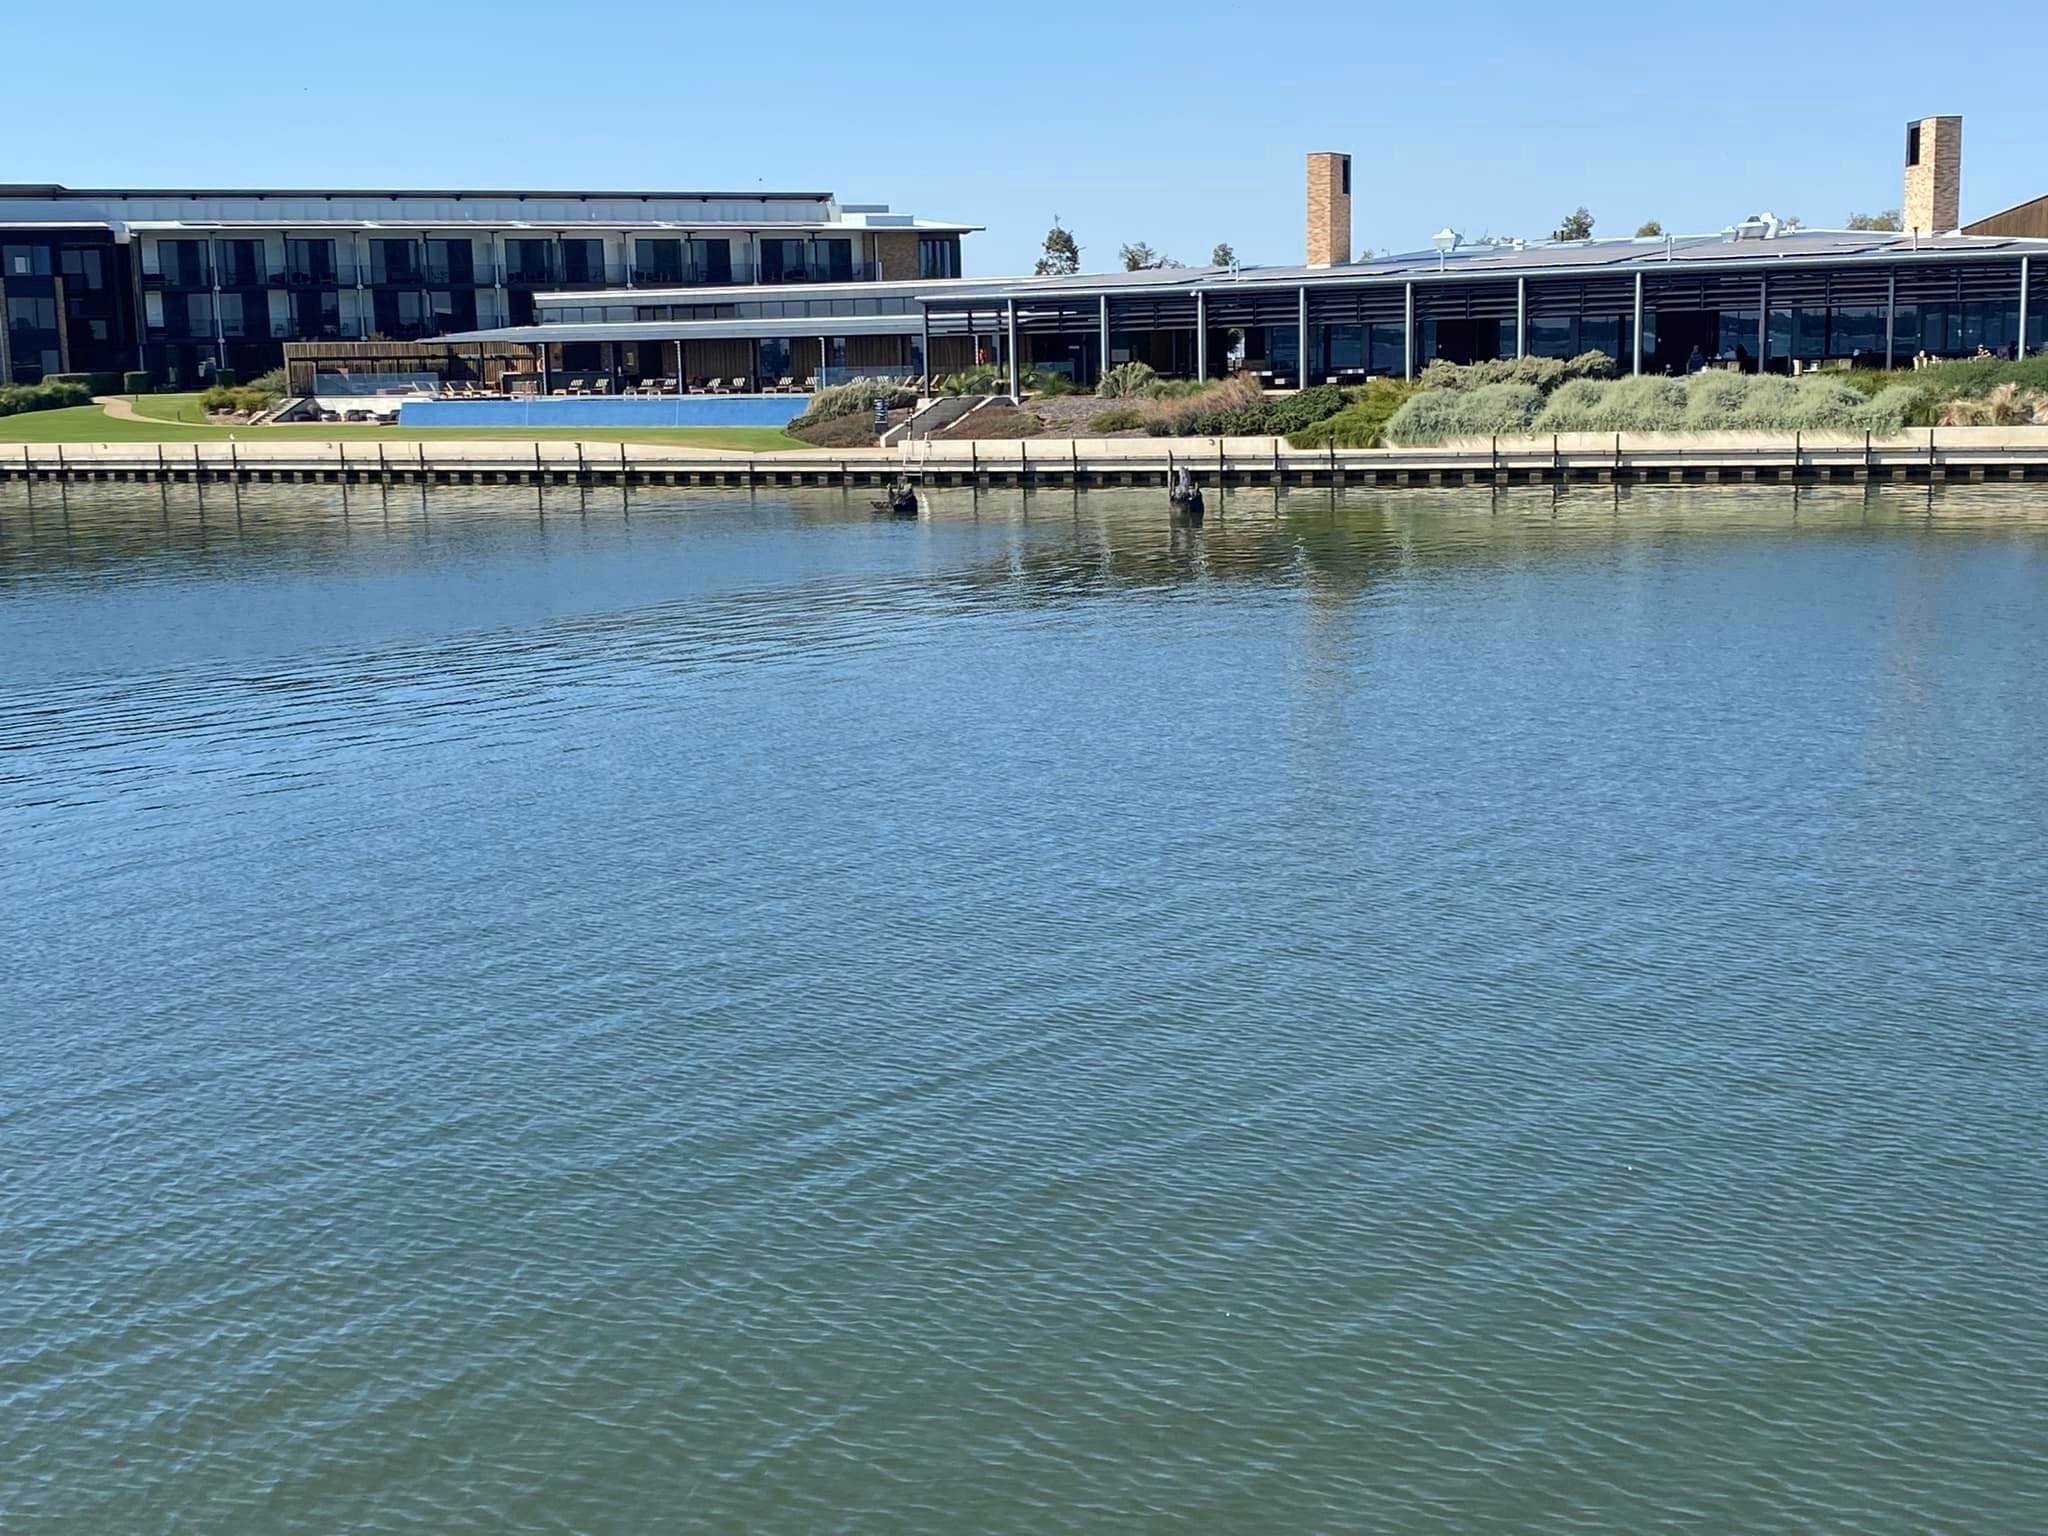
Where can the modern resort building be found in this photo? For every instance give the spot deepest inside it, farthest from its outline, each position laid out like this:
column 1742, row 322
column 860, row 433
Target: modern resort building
column 182, row 282
column 1756, row 295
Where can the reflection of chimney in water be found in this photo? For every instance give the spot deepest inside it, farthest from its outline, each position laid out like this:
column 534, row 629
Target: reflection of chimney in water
column 1934, row 176
column 1329, row 209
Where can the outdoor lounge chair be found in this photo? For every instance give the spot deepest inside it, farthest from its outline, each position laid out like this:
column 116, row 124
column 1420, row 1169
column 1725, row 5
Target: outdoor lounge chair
column 786, row 385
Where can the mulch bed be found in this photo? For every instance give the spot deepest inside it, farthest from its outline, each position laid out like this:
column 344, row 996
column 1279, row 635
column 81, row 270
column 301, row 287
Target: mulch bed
column 992, row 422
column 853, row 431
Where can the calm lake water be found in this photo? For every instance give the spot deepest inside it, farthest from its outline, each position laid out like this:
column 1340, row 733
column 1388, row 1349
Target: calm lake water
column 1414, row 1013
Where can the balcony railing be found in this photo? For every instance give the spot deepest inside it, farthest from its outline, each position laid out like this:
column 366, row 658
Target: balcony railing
column 336, row 276
column 182, row 279
column 388, row 276
column 245, row 275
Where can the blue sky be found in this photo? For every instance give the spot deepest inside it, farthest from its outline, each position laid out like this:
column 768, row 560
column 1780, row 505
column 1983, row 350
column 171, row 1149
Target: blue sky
column 1179, row 124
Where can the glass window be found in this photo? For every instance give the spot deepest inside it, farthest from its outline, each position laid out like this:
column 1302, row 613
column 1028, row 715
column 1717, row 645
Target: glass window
column 451, row 261
column 834, row 261
column 1856, row 328
column 84, row 269
column 773, row 362
column 242, row 264
column 583, row 261
column 31, row 314
column 231, row 315
column 1738, row 336
column 658, row 261
column 938, row 256
column 310, row 261
column 25, row 261
column 1552, row 336
column 394, row 261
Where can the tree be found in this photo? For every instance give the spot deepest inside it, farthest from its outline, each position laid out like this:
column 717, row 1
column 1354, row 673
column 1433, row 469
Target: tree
column 1578, row 225
column 1889, row 219
column 1223, row 255
column 1062, row 257
column 1649, row 230
column 1142, row 258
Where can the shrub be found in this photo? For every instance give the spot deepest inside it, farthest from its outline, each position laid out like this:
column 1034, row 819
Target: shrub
column 1499, row 410
column 2002, row 406
column 1889, row 411
column 1574, row 406
column 1118, row 418
column 981, row 379
column 1822, row 402
column 272, row 383
column 1713, row 399
column 95, row 383
column 50, row 395
column 137, row 383
column 1124, row 380
column 1428, row 417
column 857, row 397
column 1039, row 381
column 1363, row 421
column 1639, row 404
column 1589, row 365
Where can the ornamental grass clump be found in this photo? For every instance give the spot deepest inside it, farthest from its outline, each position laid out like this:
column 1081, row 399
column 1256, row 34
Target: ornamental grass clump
column 1641, row 404
column 1499, row 410
column 1712, row 401
column 1887, row 413
column 856, row 397
column 1125, row 381
column 1429, row 417
column 1573, row 406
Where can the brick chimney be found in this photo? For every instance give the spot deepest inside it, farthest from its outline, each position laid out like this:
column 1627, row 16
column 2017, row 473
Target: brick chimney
column 1329, row 209
column 1934, row 175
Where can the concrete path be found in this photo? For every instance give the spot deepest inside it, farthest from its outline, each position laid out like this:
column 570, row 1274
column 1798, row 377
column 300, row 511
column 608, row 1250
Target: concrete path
column 121, row 408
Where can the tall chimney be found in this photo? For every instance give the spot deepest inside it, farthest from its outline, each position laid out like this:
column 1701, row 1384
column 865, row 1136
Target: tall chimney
column 1934, row 175
column 1329, row 209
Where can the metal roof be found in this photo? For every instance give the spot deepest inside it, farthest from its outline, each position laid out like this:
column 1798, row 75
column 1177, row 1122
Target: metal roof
column 53, row 189
column 1547, row 259
column 697, row 330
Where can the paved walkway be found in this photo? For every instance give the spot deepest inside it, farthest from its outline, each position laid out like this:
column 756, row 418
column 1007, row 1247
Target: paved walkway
column 120, row 407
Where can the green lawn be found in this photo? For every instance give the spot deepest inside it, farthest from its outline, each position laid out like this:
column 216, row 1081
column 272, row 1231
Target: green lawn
column 178, row 419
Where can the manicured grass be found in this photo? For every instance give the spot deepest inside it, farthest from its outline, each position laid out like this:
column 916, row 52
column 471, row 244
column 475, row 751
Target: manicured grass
column 178, row 419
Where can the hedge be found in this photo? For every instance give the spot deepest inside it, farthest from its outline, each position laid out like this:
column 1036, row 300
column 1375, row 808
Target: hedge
column 50, row 395
column 97, row 383
column 139, row 383
column 1707, row 402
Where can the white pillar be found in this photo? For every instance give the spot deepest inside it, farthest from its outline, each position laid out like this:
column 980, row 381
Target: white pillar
column 2020, row 349
column 1637, row 325
column 1891, row 313
column 1763, row 321
column 1408, row 330
column 1301, row 329
column 1010, row 324
column 925, row 364
column 1521, row 317
column 1102, row 324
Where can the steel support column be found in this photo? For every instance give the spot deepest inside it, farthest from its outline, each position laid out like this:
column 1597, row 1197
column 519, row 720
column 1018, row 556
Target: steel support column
column 1637, row 325
column 1102, row 336
column 1010, row 325
column 925, row 358
column 1301, row 330
column 1763, row 322
column 682, row 384
column 1521, row 317
column 1407, row 330
column 1891, row 316
column 1201, row 337
column 2020, row 348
